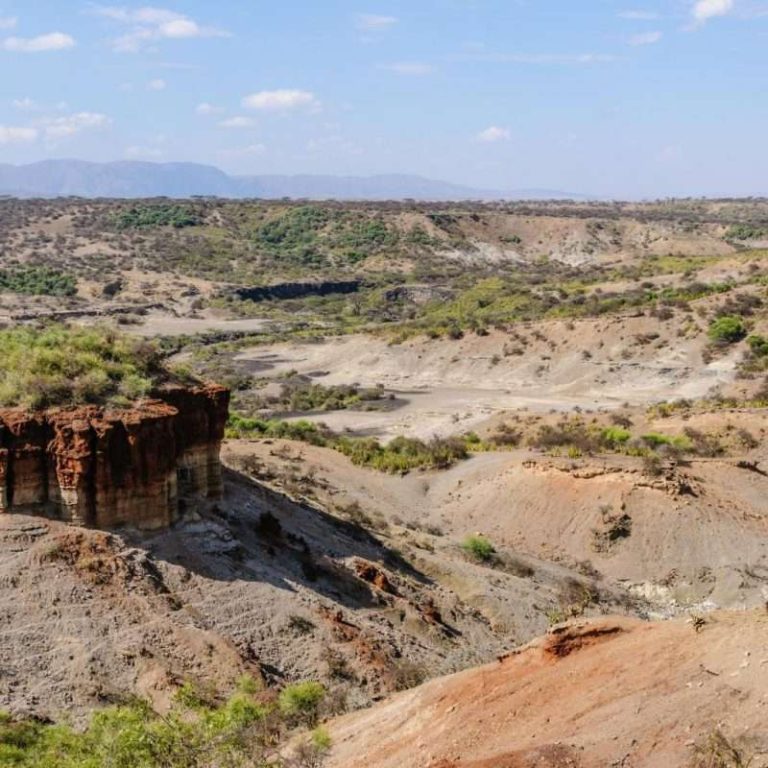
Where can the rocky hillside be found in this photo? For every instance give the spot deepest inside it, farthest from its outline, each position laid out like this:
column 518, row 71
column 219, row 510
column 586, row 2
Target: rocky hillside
column 106, row 468
column 587, row 695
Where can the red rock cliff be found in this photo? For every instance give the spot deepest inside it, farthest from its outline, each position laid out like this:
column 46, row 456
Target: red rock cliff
column 105, row 468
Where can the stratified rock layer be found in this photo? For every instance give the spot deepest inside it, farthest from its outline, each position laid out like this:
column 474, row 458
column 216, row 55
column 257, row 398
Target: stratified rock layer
column 105, row 468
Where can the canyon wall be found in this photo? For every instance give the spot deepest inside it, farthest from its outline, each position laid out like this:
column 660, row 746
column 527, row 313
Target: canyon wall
column 104, row 468
column 296, row 290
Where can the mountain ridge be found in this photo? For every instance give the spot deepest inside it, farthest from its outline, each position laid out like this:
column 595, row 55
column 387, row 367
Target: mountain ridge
column 137, row 179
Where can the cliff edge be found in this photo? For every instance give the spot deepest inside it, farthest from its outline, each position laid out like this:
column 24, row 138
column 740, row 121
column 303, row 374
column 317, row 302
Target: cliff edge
column 101, row 467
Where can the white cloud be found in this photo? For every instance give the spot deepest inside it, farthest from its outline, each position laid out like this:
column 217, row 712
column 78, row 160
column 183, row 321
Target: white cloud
column 25, row 105
column 12, row 134
column 149, row 25
column 373, row 23
column 157, row 85
column 204, row 108
column 8, row 22
column 414, row 68
column 238, row 122
column 639, row 15
column 54, row 41
column 542, row 58
column 703, row 10
column 493, row 134
column 280, row 100
column 645, row 38
column 69, row 125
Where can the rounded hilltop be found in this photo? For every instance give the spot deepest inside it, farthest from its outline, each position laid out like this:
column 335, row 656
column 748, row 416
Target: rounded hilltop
column 60, row 365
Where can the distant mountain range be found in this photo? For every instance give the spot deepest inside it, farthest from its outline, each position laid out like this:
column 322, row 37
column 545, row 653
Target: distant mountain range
column 129, row 179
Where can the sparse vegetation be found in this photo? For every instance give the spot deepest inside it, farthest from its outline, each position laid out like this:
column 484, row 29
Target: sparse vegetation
column 717, row 751
column 63, row 366
column 399, row 456
column 37, row 281
column 478, row 548
column 157, row 215
column 727, row 329
column 301, row 701
column 244, row 732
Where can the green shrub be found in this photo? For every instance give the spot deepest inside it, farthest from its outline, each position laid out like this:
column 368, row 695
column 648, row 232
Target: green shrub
column 133, row 736
column 37, row 281
column 302, row 700
column 745, row 232
column 402, row 454
column 758, row 345
column 616, row 436
column 161, row 215
column 69, row 366
column 656, row 440
column 478, row 548
column 305, row 431
column 727, row 329
column 399, row 456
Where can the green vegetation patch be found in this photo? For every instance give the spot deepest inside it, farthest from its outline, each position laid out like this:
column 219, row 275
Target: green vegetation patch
column 72, row 366
column 399, row 456
column 160, row 215
column 402, row 454
column 313, row 235
column 746, row 232
column 478, row 548
column 727, row 329
column 37, row 281
column 246, row 730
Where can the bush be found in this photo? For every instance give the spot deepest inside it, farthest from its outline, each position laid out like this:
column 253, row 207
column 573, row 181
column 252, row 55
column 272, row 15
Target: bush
column 727, row 330
column 305, row 431
column 745, row 232
column 239, row 732
column 37, row 281
column 758, row 345
column 151, row 216
column 615, row 436
column 72, row 366
column 400, row 455
column 656, row 440
column 301, row 701
column 478, row 548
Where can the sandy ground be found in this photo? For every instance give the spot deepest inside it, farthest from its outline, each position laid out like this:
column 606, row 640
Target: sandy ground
column 168, row 325
column 597, row 694
column 443, row 387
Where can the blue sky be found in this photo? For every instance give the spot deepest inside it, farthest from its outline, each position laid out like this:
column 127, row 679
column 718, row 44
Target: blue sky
column 629, row 99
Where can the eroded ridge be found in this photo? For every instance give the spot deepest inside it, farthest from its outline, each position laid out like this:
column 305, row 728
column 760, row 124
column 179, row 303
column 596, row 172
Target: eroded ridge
column 102, row 467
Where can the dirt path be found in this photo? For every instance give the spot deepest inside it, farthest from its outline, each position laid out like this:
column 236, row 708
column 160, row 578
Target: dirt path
column 168, row 325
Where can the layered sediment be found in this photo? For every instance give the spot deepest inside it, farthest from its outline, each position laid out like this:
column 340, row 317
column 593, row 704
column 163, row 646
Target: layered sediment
column 103, row 468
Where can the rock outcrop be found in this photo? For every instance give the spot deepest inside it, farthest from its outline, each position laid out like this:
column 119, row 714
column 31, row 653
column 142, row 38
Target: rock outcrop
column 284, row 291
column 103, row 468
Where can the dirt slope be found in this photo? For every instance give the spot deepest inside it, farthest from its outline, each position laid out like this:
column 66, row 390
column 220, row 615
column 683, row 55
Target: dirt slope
column 263, row 584
column 594, row 694
column 445, row 386
column 697, row 536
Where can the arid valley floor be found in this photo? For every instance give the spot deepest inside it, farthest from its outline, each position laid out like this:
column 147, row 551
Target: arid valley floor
column 495, row 475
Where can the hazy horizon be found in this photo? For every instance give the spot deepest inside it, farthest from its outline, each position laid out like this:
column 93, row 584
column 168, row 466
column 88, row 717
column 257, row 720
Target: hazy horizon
column 612, row 99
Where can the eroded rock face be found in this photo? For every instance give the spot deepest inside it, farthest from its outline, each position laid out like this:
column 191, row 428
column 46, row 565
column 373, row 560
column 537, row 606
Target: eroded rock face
column 105, row 468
